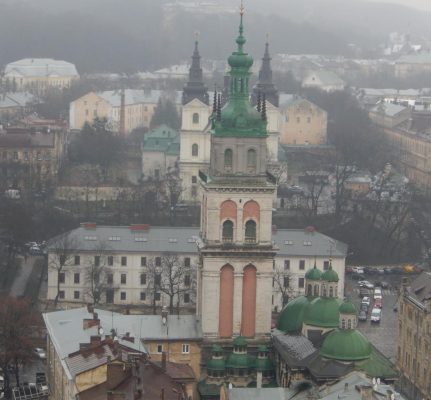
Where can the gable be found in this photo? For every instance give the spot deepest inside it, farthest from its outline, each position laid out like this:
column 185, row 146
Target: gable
column 195, row 103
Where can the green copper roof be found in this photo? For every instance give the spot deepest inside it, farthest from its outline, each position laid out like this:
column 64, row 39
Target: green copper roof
column 262, row 348
column 313, row 274
column 242, row 360
column 238, row 117
column 216, row 348
column 323, row 312
column 377, row 366
column 217, row 364
column 263, row 364
column 330, row 275
column 347, row 308
column 162, row 139
column 292, row 315
column 346, row 345
column 240, row 341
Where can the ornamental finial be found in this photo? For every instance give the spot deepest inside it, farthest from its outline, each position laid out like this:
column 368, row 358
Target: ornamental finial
column 197, row 34
column 241, row 9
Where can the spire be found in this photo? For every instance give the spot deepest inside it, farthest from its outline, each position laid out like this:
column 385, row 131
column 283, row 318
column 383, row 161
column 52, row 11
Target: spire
column 264, row 108
column 195, row 87
column 264, row 83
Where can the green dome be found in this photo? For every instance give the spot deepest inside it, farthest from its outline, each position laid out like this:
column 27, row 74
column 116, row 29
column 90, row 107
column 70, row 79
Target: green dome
column 240, row 60
column 263, row 364
column 323, row 312
column 240, row 341
column 330, row 275
column 313, row 274
column 242, row 360
column 216, row 348
column 292, row 315
column 346, row 345
column 262, row 348
column 347, row 308
column 216, row 364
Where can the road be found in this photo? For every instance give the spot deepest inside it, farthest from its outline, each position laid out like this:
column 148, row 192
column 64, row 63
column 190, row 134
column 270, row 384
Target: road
column 20, row 283
column 382, row 335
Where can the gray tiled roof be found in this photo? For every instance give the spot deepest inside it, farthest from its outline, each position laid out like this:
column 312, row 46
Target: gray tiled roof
column 293, row 347
column 40, row 67
column 291, row 242
column 420, row 289
column 263, row 393
column 18, row 99
column 389, row 109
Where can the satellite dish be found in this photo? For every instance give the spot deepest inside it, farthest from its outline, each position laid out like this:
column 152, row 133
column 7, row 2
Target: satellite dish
column 374, row 381
column 378, row 381
column 100, row 331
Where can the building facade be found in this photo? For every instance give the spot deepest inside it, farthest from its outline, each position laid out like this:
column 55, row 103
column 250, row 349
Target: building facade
column 414, row 344
column 139, row 107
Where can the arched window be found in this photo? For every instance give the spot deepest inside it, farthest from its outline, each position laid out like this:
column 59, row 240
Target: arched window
column 309, row 290
column 195, row 118
column 331, row 291
column 343, row 324
column 195, row 150
column 324, row 291
column 251, row 159
column 316, row 290
column 349, row 324
column 250, row 231
column 227, row 235
column 228, row 159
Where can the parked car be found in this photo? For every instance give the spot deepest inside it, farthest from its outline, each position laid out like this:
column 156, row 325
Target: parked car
column 35, row 251
column 363, row 292
column 362, row 316
column 358, row 270
column 364, row 307
column 378, row 303
column 356, row 276
column 366, row 300
column 376, row 315
column 384, row 285
column 40, row 352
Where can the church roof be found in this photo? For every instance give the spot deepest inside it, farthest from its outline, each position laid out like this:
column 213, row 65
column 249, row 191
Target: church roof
column 313, row 274
column 347, row 308
column 346, row 345
column 323, row 312
column 330, row 275
column 292, row 315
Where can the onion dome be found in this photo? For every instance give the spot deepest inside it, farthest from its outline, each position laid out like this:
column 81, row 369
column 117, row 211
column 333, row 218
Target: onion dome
column 263, row 363
column 323, row 312
column 330, row 275
column 217, row 362
column 346, row 345
column 347, row 308
column 313, row 274
column 239, row 358
column 292, row 315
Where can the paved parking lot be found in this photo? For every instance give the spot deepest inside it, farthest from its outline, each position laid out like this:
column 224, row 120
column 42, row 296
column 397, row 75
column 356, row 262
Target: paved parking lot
column 383, row 335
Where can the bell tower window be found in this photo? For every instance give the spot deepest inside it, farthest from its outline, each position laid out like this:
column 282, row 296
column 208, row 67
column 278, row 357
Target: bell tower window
column 227, row 235
column 250, row 231
column 195, row 150
column 251, row 160
column 228, row 160
column 195, row 118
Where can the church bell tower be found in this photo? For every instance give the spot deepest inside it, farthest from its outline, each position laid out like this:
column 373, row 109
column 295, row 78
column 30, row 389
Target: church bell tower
column 237, row 253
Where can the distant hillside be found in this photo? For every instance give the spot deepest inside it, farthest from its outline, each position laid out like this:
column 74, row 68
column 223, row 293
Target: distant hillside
column 132, row 35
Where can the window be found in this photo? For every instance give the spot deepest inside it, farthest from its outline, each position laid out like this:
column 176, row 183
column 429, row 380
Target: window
column 286, row 282
column 86, row 113
column 186, row 298
column 143, row 296
column 195, row 118
column 158, row 261
column 251, row 159
column 187, row 262
column 227, row 234
column 287, row 265
column 250, row 231
column 308, row 120
column 331, row 291
column 123, row 295
column 25, row 155
column 325, row 265
column 110, row 296
column 195, row 150
column 301, row 264
column 61, row 294
column 185, row 349
column 110, row 279
column 76, row 294
column 194, row 191
column 157, row 279
column 343, row 324
column 110, row 261
column 97, row 261
column 160, row 348
column 228, row 159
column 77, row 260
column 187, row 280
column 157, row 296
column 76, row 278
column 123, row 261
column 143, row 261
column 123, row 279
column 157, row 173
column 15, row 155
column 143, row 279
column 301, row 283
column 349, row 324
column 194, row 179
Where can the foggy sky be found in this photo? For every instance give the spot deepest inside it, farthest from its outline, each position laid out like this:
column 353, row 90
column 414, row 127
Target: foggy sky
column 421, row 4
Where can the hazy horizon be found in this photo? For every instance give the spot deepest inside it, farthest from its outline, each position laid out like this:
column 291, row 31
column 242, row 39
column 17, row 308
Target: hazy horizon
column 419, row 4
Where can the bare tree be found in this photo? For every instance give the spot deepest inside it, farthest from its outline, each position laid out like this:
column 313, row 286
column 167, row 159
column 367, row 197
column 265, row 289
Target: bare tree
column 171, row 276
column 315, row 182
column 62, row 251
column 282, row 280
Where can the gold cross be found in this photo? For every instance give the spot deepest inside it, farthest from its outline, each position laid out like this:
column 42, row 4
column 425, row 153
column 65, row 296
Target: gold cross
column 197, row 35
column 241, row 9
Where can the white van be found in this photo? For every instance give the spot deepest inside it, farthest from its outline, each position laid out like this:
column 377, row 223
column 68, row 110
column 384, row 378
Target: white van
column 376, row 315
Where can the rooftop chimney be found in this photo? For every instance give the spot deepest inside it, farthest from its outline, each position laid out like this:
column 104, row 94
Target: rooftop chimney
column 366, row 392
column 89, row 225
column 164, row 315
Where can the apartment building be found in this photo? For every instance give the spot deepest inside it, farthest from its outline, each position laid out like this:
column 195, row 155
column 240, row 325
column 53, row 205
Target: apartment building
column 139, row 106
column 414, row 338
column 127, row 265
